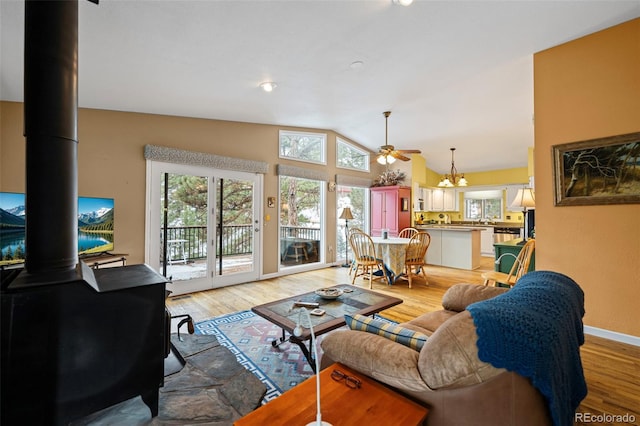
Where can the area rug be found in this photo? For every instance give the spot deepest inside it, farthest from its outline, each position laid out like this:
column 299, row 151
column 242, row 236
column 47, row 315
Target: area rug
column 249, row 337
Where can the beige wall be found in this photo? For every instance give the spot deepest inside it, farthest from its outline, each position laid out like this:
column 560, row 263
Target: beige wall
column 111, row 164
column 585, row 89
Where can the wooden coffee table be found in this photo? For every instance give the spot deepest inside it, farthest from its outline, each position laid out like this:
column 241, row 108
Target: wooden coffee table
column 371, row 404
column 284, row 313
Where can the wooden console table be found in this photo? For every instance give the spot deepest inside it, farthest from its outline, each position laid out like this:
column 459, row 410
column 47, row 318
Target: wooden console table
column 372, row 403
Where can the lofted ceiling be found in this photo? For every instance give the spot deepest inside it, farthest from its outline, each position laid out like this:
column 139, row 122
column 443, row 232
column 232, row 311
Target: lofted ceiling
column 453, row 73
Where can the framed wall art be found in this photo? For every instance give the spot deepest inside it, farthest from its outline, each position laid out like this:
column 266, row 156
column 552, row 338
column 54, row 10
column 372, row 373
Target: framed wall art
column 597, row 171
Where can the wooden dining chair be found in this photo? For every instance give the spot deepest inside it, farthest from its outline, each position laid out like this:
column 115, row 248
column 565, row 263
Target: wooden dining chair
column 407, row 233
column 520, row 267
column 364, row 257
column 415, row 254
column 352, row 266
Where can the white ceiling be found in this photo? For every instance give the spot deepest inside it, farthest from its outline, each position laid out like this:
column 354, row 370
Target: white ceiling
column 453, row 73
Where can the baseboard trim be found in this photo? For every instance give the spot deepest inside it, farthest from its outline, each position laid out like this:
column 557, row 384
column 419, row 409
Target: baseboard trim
column 612, row 335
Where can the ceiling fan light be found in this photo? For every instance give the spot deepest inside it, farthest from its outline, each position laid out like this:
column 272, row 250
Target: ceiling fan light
column 390, row 159
column 381, row 160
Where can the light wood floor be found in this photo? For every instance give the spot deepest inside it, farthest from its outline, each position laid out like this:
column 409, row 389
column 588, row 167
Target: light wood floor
column 612, row 369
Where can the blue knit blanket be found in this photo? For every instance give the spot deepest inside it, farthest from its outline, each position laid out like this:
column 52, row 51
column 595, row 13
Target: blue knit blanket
column 536, row 330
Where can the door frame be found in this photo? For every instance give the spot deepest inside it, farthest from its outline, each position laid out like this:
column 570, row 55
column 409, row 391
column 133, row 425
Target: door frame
column 154, row 171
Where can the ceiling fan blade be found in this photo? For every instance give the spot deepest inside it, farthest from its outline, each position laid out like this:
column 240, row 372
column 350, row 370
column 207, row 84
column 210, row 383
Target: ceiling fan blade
column 410, row 151
column 398, row 156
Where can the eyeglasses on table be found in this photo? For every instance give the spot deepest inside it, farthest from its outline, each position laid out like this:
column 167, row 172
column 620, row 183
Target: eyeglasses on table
column 350, row 381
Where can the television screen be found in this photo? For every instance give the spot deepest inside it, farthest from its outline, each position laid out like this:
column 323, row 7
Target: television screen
column 95, row 226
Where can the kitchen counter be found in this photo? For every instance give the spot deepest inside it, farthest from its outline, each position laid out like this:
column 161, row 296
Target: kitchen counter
column 470, row 225
column 454, row 246
column 452, row 227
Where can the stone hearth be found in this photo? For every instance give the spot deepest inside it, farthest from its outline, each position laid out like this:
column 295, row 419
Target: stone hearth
column 212, row 389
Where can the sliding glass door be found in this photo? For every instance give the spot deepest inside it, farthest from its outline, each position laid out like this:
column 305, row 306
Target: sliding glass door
column 203, row 229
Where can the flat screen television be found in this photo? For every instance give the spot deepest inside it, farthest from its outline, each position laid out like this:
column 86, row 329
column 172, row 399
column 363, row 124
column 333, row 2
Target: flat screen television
column 95, row 226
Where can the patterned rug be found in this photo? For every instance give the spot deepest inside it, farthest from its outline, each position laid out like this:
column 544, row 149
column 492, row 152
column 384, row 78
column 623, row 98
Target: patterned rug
column 249, row 337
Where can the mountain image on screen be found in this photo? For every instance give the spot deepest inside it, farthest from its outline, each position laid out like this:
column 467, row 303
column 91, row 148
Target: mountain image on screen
column 95, row 226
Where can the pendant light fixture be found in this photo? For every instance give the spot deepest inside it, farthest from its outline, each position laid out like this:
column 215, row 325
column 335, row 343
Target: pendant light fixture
column 453, row 179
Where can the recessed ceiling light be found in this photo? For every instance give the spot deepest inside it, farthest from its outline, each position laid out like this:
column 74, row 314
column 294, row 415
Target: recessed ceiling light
column 402, row 2
column 268, row 86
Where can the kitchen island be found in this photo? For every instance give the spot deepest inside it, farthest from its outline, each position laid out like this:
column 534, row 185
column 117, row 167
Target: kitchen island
column 453, row 246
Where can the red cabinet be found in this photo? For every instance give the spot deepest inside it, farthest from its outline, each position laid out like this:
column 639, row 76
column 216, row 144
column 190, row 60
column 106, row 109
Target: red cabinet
column 390, row 209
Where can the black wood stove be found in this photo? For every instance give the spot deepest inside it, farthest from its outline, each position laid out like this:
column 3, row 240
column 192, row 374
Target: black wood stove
column 73, row 341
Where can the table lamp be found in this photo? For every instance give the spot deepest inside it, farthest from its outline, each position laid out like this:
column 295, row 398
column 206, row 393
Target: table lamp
column 525, row 198
column 347, row 216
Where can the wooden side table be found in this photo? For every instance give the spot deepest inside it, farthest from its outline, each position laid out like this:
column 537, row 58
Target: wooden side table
column 372, row 403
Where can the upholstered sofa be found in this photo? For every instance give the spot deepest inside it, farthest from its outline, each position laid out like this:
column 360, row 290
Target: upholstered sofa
column 446, row 374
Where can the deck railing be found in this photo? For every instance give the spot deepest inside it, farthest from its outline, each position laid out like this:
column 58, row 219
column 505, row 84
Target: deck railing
column 236, row 240
column 300, row 232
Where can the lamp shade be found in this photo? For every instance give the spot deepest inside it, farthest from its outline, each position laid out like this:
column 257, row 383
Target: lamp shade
column 524, row 198
column 346, row 214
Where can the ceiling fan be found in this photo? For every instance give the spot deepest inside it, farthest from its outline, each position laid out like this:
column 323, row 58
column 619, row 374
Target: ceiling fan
column 388, row 154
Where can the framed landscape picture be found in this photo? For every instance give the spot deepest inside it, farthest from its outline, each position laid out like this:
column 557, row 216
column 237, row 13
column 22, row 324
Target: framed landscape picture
column 598, row 171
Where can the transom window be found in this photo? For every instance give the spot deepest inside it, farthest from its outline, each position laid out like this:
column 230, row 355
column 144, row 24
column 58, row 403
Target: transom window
column 351, row 157
column 301, row 146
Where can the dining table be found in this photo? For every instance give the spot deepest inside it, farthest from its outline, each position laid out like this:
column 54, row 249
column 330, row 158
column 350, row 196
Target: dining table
column 392, row 251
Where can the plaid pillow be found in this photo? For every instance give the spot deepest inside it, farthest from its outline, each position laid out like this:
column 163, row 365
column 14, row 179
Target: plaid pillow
column 404, row 336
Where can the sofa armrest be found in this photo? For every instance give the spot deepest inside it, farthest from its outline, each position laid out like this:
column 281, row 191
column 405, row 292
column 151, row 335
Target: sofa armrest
column 375, row 356
column 459, row 296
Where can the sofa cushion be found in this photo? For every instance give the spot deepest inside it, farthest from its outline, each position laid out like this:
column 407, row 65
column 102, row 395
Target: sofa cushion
column 459, row 296
column 450, row 358
column 374, row 356
column 428, row 323
column 410, row 338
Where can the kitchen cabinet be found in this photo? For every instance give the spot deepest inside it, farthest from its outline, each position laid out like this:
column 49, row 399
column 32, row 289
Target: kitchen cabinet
column 390, row 209
column 434, row 252
column 418, row 198
column 454, row 246
column 426, row 195
column 444, row 200
column 450, row 202
column 486, row 241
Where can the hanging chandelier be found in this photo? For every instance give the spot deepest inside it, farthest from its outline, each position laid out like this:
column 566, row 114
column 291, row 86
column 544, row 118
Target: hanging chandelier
column 453, row 179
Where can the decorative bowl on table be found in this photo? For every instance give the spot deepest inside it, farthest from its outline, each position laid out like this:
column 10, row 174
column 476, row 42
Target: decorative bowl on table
column 329, row 293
